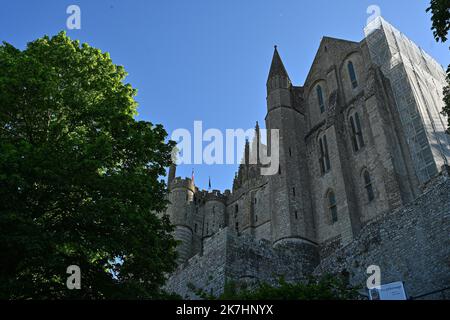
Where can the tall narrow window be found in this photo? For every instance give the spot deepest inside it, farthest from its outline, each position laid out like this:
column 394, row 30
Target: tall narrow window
column 332, row 206
column 351, row 72
column 293, row 191
column 320, row 99
column 236, row 208
column 324, row 155
column 327, row 155
column 368, row 185
column 195, row 228
column 357, row 136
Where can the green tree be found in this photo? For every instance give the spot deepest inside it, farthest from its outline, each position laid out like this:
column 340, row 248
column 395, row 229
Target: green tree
column 440, row 17
column 79, row 177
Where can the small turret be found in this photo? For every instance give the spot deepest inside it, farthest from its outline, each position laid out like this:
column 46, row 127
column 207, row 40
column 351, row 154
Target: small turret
column 278, row 77
column 215, row 209
column 172, row 173
column 181, row 195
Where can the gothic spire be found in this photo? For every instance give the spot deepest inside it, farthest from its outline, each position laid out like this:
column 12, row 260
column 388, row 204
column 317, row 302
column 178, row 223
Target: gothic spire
column 277, row 68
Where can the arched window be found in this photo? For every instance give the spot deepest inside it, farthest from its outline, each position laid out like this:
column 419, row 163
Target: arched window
column 351, row 72
column 332, row 206
column 324, row 159
column 320, row 99
column 368, row 186
column 357, row 136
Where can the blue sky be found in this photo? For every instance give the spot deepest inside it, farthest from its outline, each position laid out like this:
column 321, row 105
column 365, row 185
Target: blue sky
column 208, row 60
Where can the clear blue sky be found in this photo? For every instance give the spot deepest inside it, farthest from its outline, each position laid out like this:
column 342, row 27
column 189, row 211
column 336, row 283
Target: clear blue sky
column 208, row 60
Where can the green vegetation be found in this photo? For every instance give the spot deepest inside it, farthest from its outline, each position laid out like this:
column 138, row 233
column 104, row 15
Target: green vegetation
column 325, row 288
column 440, row 10
column 79, row 177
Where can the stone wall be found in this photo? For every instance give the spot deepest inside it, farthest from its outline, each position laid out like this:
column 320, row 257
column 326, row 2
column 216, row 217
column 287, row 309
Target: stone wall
column 242, row 260
column 205, row 270
column 411, row 244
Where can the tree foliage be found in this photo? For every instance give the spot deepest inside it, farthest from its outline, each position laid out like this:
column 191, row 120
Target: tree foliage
column 79, row 177
column 440, row 11
column 440, row 17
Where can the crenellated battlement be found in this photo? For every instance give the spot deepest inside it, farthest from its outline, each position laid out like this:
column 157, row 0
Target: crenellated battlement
column 183, row 183
column 215, row 195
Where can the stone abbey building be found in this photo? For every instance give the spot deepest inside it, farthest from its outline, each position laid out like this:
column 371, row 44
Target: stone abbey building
column 363, row 177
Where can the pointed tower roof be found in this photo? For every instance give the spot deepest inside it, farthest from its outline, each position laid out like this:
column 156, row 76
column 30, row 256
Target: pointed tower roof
column 277, row 68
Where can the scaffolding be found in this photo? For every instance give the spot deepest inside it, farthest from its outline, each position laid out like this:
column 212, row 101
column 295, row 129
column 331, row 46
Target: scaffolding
column 417, row 82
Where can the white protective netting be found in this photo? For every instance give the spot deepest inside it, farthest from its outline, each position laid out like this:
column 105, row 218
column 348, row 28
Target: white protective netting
column 417, row 82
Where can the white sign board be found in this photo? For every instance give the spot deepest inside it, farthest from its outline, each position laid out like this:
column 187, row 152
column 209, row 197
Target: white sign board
column 390, row 291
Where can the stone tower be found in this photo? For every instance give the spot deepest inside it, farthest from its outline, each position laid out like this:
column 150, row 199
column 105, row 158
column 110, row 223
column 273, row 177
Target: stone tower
column 181, row 195
column 290, row 204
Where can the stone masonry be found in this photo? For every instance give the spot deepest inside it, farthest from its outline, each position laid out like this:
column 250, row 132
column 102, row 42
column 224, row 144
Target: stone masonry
column 362, row 178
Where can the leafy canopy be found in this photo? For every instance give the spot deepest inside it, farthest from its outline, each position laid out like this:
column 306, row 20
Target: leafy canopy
column 440, row 17
column 78, row 177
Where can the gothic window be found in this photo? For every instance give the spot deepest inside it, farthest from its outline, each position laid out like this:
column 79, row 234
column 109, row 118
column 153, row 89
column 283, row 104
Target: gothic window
column 357, row 136
column 352, row 74
column 332, row 206
column 368, row 186
column 324, row 159
column 195, row 228
column 236, row 208
column 320, row 99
